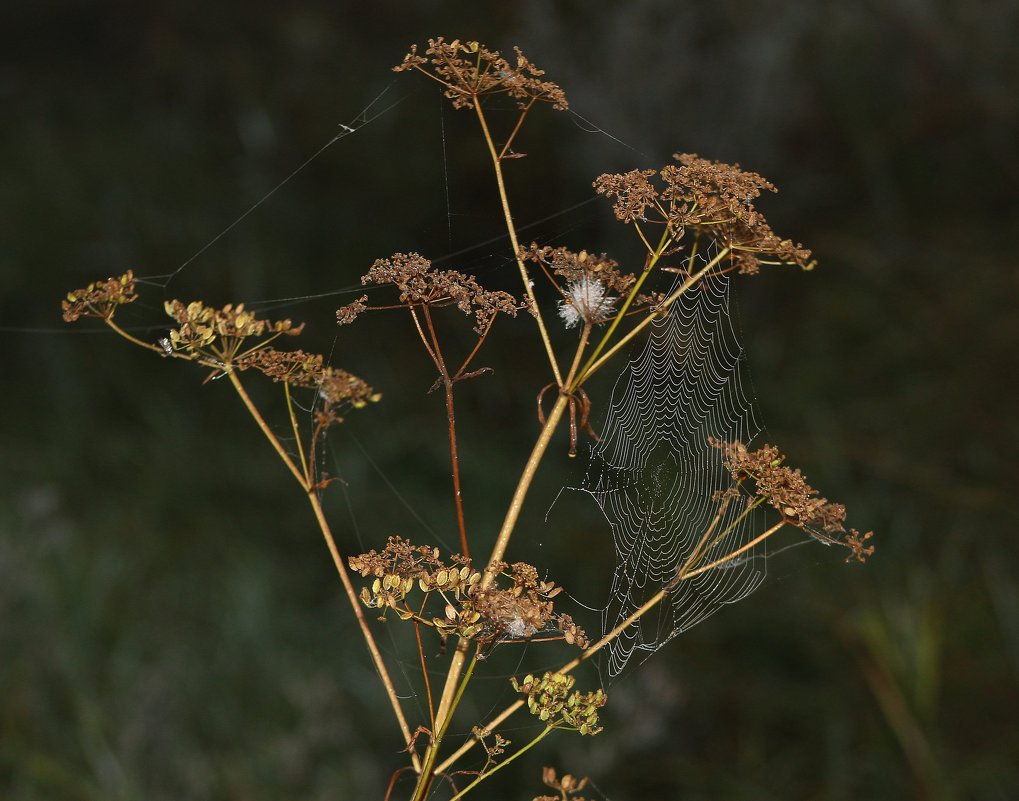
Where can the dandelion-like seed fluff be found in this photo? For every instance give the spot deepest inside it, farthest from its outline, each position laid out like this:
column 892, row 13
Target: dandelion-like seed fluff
column 586, row 301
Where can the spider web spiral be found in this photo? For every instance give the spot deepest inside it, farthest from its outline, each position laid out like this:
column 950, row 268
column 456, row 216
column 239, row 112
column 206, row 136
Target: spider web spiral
column 654, row 475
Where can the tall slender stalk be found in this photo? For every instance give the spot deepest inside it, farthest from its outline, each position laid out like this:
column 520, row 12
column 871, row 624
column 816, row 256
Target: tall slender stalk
column 307, row 485
column 427, row 772
column 512, row 231
column 454, row 458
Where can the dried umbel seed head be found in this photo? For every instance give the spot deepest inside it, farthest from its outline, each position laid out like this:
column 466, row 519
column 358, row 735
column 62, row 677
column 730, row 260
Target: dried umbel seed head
column 399, row 557
column 470, row 70
column 567, row 784
column 200, row 327
column 100, row 298
column 493, row 742
column 419, row 285
column 518, row 610
column 523, row 608
column 709, row 197
column 574, row 267
column 787, row 490
column 572, row 633
column 633, row 192
column 301, row 369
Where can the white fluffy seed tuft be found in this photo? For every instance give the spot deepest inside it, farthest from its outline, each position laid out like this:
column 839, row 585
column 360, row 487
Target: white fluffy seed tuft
column 586, row 301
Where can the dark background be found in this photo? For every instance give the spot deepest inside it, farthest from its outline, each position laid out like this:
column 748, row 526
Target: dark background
column 170, row 624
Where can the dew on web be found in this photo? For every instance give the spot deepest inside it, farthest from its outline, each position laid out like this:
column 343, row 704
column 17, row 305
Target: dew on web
column 655, row 476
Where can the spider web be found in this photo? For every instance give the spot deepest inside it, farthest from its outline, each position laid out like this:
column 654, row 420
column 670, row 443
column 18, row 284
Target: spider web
column 653, row 473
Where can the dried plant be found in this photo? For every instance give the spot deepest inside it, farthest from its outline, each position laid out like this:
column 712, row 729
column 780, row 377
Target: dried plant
column 691, row 208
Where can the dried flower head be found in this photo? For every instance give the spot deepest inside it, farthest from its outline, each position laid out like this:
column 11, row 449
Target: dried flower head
column 420, row 285
column 567, row 785
column 709, row 197
column 521, row 609
column 787, row 490
column 347, row 314
column 494, row 748
column 470, row 70
column 516, row 606
column 633, row 193
column 205, row 330
column 573, row 266
column 855, row 542
column 301, row 369
column 399, row 557
column 589, row 278
column 100, row 298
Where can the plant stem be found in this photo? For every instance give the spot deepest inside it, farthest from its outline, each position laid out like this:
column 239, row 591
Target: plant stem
column 447, row 383
column 729, row 557
column 297, row 431
column 427, row 772
column 652, row 260
column 511, row 229
column 502, row 764
column 523, row 485
column 273, row 440
column 516, row 503
column 424, row 673
column 704, row 546
column 355, row 602
column 129, row 338
column 362, row 622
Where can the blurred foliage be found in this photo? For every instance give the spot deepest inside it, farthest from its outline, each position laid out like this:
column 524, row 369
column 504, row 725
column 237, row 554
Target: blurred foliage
column 169, row 625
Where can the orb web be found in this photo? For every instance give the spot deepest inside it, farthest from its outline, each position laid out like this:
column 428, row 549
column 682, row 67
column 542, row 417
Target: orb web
column 655, row 477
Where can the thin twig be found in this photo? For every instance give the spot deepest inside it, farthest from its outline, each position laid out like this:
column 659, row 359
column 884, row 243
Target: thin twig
column 352, row 597
column 451, row 429
column 424, row 674
column 512, row 231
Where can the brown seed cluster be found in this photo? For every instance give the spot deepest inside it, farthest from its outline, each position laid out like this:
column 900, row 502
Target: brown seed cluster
column 708, row 197
column 787, row 490
column 574, row 267
column 517, row 606
column 215, row 337
column 493, row 742
column 470, row 70
column 522, row 609
column 567, row 786
column 301, row 369
column 100, row 298
column 420, row 285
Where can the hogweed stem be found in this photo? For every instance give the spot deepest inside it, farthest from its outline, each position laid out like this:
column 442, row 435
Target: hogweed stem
column 355, row 602
column 512, row 231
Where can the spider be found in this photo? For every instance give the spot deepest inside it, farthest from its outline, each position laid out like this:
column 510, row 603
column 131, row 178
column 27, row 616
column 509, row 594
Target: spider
column 580, row 406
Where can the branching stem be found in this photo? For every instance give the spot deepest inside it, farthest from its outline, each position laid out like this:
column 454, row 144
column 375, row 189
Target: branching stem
column 307, row 485
column 454, row 458
column 512, row 231
column 545, row 732
column 428, row 771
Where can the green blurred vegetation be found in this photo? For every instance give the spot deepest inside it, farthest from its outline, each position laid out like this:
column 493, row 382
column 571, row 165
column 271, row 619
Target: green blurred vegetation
column 170, row 624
